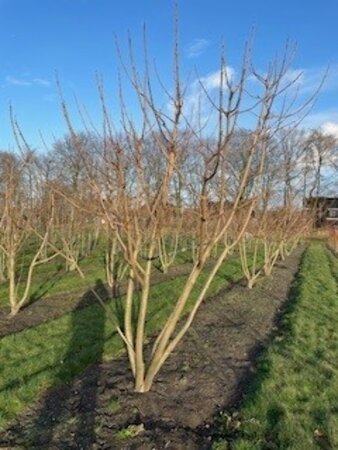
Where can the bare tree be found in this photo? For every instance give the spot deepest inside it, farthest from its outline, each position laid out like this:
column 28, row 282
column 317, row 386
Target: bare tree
column 141, row 207
column 320, row 148
column 24, row 226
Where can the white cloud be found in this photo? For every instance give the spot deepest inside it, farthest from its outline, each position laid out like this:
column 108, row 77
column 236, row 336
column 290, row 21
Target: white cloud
column 214, row 79
column 330, row 128
column 26, row 82
column 318, row 119
column 197, row 47
column 197, row 103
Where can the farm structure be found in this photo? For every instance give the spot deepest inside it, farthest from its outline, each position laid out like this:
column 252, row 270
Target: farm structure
column 325, row 208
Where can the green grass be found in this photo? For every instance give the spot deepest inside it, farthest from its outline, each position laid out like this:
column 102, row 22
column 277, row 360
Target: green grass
column 52, row 278
column 55, row 352
column 293, row 403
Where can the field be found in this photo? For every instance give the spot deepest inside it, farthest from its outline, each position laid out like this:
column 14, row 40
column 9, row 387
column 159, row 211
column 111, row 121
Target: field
column 257, row 370
column 56, row 351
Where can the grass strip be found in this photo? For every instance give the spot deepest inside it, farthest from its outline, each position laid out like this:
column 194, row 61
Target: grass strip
column 293, row 401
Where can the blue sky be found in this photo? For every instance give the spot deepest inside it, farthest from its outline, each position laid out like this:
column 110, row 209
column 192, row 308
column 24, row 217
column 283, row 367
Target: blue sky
column 76, row 39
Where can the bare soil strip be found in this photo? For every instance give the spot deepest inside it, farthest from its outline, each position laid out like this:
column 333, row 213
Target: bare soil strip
column 208, row 373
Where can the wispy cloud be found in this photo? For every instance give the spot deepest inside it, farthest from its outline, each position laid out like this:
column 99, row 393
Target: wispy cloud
column 41, row 82
column 197, row 101
column 197, row 47
column 214, row 79
column 308, row 80
column 16, row 81
column 26, row 82
column 197, row 104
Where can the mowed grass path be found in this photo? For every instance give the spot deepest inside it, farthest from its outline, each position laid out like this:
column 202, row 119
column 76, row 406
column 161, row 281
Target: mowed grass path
column 55, row 352
column 293, row 403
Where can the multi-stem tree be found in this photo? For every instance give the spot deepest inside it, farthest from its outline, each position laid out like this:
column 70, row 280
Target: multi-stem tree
column 137, row 207
column 25, row 225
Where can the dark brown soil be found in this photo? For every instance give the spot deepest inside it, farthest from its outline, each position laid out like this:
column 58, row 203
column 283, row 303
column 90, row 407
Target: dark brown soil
column 50, row 308
column 208, row 374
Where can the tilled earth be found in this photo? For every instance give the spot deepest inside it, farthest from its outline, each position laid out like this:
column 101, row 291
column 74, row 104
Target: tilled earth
column 207, row 374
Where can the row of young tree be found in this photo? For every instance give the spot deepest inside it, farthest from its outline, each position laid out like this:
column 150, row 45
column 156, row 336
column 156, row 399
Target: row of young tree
column 178, row 179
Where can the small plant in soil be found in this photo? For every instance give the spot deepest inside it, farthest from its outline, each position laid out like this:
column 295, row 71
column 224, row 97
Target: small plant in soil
column 130, row 432
column 114, row 405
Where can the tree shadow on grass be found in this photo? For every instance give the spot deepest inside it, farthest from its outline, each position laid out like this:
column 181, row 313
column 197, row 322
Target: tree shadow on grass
column 54, row 418
column 45, row 286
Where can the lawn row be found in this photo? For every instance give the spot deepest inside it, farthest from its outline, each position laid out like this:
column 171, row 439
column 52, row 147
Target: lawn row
column 52, row 278
column 293, row 402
